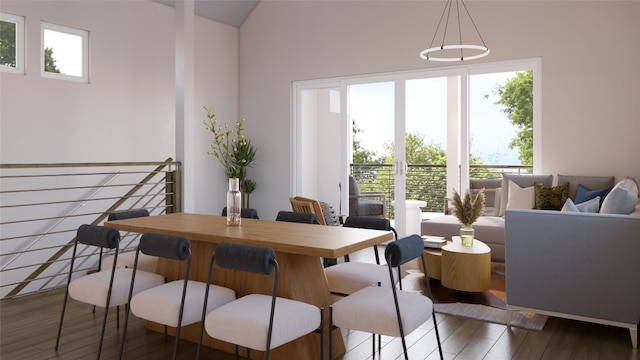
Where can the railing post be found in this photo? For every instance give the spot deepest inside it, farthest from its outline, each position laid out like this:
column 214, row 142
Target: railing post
column 174, row 191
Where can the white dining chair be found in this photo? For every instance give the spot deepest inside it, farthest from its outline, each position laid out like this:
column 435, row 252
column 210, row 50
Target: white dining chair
column 350, row 276
column 387, row 310
column 103, row 288
column 175, row 303
column 257, row 321
column 125, row 259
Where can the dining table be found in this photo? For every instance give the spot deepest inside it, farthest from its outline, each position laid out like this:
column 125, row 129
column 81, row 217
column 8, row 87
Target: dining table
column 299, row 250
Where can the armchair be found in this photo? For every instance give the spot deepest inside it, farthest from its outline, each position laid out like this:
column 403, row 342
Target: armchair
column 365, row 203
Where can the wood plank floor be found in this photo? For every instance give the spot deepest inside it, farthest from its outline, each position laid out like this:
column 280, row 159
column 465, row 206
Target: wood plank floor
column 29, row 326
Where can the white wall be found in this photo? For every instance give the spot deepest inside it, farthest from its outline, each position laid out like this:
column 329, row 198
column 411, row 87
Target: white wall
column 127, row 111
column 591, row 113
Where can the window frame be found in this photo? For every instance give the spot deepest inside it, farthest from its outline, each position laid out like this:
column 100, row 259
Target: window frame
column 83, row 34
column 20, row 43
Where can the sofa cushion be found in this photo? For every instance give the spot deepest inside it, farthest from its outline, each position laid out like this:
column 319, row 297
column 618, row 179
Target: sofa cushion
column 622, row 199
column 583, row 194
column 520, row 197
column 550, row 198
column 523, row 180
column 589, row 206
column 590, row 182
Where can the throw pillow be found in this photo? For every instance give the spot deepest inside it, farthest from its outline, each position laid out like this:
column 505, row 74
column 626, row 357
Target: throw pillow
column 523, row 180
column 520, row 198
column 583, row 194
column 591, row 182
column 591, row 206
column 550, row 198
column 622, row 198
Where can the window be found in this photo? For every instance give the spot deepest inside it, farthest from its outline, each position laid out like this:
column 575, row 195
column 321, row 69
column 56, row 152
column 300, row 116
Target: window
column 11, row 43
column 65, row 53
column 415, row 134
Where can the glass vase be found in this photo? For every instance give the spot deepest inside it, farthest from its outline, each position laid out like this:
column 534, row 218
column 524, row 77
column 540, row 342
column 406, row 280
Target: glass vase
column 466, row 236
column 234, row 202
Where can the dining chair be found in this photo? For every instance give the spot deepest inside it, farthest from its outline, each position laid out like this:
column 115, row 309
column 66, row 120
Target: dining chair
column 247, row 213
column 350, row 276
column 125, row 259
column 175, row 303
column 370, row 309
column 306, row 205
column 297, row 217
column 103, row 288
column 304, row 218
column 257, row 321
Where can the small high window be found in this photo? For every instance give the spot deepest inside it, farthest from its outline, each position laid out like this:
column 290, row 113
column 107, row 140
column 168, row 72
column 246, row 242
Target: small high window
column 11, row 43
column 65, row 53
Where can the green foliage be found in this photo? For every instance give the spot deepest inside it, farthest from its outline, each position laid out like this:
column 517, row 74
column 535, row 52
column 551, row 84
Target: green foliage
column 50, row 62
column 516, row 97
column 416, row 151
column 232, row 149
column 8, row 43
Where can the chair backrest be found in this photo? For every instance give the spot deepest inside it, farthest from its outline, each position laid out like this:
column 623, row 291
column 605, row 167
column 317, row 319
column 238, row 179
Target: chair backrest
column 368, row 222
column 400, row 252
column 128, row 214
column 166, row 246
column 101, row 236
column 247, row 213
column 306, row 205
column 403, row 250
column 354, row 190
column 255, row 259
column 297, row 217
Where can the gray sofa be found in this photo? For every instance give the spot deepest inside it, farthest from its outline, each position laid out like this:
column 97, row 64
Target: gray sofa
column 582, row 266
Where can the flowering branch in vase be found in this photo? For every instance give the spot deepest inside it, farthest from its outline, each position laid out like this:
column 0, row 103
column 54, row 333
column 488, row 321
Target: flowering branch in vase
column 233, row 150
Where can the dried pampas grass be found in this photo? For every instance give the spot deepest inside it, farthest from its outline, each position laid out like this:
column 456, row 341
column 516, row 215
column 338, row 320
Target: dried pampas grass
column 468, row 210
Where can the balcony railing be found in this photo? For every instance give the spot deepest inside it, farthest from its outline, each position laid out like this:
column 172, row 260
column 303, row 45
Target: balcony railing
column 42, row 206
column 423, row 182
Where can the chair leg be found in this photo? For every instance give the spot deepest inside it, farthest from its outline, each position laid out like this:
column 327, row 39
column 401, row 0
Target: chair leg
column 177, row 343
column 64, row 307
column 322, row 334
column 331, row 328
column 118, row 317
column 435, row 326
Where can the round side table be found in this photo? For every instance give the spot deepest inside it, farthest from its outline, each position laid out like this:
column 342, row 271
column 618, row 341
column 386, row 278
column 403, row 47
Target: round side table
column 466, row 268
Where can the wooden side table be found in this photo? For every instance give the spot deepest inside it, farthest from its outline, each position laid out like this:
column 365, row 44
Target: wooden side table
column 433, row 258
column 466, row 268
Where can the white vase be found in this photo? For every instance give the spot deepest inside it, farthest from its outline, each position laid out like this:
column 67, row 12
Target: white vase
column 466, row 235
column 234, row 202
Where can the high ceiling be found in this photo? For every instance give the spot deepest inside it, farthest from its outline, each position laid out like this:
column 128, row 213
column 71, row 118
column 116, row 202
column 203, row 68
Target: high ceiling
column 230, row 12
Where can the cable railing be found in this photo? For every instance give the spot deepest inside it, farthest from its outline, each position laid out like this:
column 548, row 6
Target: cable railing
column 423, row 181
column 42, row 206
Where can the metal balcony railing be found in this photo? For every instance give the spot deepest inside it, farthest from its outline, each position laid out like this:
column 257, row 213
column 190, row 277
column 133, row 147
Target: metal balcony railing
column 423, row 182
column 42, row 206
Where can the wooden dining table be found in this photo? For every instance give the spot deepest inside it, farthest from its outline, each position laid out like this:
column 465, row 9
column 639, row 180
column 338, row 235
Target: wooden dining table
column 299, row 251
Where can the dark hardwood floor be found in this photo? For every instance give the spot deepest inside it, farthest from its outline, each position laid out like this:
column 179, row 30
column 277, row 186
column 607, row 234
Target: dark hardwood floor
column 29, row 326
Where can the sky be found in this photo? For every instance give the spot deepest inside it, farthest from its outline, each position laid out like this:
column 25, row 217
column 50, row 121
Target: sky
column 372, row 108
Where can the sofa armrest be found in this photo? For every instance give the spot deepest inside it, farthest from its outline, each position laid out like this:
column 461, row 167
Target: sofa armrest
column 585, row 265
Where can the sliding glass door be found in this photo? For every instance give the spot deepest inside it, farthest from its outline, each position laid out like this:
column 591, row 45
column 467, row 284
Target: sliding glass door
column 412, row 136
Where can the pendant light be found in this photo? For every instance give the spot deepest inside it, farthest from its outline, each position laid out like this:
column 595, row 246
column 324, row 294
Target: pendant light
column 449, row 51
